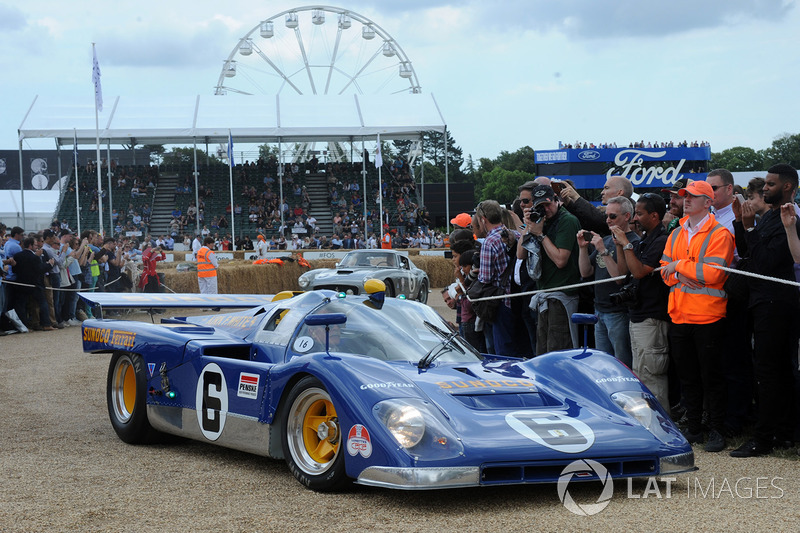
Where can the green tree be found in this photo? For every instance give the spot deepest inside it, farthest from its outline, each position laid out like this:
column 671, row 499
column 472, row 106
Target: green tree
column 520, row 163
column 433, row 151
column 738, row 159
column 784, row 149
column 502, row 185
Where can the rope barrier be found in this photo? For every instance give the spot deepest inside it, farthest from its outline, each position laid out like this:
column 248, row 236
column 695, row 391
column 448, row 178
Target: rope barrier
column 596, row 282
column 58, row 288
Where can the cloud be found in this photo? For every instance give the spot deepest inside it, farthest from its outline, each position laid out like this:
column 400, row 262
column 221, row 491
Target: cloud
column 630, row 18
column 156, row 46
column 11, row 19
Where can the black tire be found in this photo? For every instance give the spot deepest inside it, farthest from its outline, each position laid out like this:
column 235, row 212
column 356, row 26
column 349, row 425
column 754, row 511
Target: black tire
column 389, row 289
column 321, row 469
column 422, row 297
column 126, row 392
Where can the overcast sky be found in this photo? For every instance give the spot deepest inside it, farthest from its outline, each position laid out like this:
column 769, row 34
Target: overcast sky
column 506, row 74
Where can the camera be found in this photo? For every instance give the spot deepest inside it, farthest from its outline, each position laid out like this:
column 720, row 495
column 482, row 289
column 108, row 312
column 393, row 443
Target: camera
column 537, row 214
column 587, row 236
column 627, row 295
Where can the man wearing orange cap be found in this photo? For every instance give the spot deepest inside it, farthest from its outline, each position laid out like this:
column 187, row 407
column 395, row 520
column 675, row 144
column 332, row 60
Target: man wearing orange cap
column 262, row 247
column 697, row 307
column 463, row 220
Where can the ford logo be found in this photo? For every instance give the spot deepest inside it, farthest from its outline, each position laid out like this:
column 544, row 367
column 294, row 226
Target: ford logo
column 589, row 155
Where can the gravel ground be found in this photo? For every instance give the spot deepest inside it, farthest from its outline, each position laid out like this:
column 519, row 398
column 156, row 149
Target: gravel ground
column 62, row 468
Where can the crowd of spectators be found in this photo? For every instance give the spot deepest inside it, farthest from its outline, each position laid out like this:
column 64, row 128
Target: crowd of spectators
column 717, row 350
column 637, row 144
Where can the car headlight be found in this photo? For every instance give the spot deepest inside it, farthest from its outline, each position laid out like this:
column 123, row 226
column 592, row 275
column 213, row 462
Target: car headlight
column 366, row 279
column 418, row 428
column 644, row 409
column 406, row 424
column 303, row 282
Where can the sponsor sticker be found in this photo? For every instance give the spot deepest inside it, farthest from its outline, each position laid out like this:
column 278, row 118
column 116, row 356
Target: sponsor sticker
column 113, row 337
column 151, row 367
column 248, row 385
column 358, row 441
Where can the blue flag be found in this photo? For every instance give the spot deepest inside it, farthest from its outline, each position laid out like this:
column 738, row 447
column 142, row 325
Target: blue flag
column 75, row 150
column 230, row 148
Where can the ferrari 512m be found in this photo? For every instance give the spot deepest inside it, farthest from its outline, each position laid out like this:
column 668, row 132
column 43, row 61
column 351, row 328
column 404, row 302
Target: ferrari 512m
column 377, row 391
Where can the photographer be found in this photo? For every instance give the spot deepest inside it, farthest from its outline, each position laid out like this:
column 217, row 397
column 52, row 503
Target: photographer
column 649, row 321
column 611, row 333
column 554, row 227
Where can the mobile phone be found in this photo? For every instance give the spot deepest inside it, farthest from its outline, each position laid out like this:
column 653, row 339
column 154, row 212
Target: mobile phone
column 740, row 197
column 557, row 186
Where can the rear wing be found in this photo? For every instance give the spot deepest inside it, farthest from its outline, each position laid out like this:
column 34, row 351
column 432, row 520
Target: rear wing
column 145, row 300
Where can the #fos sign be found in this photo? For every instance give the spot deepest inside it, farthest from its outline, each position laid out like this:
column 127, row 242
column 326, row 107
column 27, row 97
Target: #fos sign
column 630, row 164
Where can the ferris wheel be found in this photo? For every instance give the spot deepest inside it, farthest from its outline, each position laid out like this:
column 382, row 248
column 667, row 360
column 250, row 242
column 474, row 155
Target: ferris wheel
column 317, row 50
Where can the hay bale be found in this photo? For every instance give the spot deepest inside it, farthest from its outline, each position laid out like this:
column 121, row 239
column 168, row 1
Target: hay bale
column 243, row 277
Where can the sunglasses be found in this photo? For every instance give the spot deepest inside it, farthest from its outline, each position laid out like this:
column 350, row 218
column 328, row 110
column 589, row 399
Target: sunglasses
column 525, row 200
column 612, row 216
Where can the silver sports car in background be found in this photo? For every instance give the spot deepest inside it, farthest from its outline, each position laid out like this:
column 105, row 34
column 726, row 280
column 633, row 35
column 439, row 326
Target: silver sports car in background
column 393, row 268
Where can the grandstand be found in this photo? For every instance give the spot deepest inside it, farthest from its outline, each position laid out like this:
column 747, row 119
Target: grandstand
column 174, row 190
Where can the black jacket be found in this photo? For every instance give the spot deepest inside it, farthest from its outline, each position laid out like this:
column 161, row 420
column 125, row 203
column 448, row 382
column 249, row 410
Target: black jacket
column 30, row 268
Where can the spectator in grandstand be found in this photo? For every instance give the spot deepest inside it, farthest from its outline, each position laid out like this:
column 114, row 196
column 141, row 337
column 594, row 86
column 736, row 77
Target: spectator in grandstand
column 773, row 310
column 590, row 217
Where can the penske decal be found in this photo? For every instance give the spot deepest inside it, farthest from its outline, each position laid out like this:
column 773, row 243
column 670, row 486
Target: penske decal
column 248, row 385
column 112, row 337
column 486, row 384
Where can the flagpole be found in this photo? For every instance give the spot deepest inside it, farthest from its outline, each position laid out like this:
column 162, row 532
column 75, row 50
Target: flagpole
column 77, row 192
column 379, row 164
column 98, row 106
column 230, row 172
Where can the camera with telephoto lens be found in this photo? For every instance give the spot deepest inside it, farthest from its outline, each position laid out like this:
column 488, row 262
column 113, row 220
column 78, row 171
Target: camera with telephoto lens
column 627, row 295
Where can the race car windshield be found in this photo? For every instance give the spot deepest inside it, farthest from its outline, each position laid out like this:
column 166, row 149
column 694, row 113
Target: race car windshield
column 397, row 332
column 369, row 260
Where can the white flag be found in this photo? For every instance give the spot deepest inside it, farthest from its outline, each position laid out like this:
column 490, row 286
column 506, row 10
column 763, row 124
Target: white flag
column 98, row 89
column 378, row 156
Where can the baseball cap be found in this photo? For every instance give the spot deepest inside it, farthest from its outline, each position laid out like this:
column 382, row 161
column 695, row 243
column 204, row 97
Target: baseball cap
column 698, row 188
column 463, row 220
column 678, row 185
column 542, row 194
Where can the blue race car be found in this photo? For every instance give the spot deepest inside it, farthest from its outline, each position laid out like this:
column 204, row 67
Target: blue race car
column 377, row 391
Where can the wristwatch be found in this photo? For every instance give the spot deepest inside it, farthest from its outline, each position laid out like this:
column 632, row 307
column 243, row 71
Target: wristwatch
column 628, row 246
column 605, row 253
column 748, row 230
column 539, row 237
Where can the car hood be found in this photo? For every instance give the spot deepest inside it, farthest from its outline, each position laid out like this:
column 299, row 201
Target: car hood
column 510, row 404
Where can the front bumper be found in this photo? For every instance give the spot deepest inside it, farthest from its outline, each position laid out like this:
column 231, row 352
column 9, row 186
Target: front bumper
column 430, row 478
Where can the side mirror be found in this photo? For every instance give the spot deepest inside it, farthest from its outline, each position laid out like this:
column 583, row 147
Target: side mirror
column 325, row 319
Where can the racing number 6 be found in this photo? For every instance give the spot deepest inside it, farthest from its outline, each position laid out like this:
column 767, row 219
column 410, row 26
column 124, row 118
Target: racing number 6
column 553, row 430
column 211, row 401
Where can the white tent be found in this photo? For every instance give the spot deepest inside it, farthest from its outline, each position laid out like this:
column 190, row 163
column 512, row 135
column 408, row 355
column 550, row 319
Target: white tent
column 250, row 119
column 247, row 119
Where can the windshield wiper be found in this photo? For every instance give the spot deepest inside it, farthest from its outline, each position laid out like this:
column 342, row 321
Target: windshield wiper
column 447, row 340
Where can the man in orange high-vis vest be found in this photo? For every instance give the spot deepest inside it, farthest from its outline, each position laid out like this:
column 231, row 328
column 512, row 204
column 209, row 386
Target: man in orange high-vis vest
column 386, row 241
column 207, row 267
column 697, row 307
